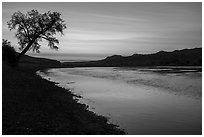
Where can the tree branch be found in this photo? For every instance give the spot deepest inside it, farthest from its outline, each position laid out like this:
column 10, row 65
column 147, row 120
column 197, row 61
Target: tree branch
column 45, row 38
column 26, row 32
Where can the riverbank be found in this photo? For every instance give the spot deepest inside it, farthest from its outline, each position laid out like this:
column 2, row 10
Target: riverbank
column 148, row 102
column 32, row 105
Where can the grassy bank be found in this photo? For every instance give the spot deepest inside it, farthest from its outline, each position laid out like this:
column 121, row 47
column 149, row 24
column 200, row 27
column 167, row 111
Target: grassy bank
column 32, row 105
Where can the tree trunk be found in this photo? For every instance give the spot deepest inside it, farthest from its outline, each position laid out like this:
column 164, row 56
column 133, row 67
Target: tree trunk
column 24, row 50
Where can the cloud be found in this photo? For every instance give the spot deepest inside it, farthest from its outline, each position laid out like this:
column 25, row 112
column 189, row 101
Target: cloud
column 94, row 35
column 120, row 28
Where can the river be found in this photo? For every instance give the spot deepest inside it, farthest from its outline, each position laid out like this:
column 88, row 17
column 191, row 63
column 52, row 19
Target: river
column 140, row 100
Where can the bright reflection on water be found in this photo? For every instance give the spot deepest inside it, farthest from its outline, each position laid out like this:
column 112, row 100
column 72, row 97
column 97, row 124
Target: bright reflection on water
column 141, row 102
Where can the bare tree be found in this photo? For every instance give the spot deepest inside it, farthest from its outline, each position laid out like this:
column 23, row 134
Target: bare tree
column 33, row 27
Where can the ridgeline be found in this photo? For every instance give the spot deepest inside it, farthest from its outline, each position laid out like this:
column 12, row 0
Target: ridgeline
column 185, row 57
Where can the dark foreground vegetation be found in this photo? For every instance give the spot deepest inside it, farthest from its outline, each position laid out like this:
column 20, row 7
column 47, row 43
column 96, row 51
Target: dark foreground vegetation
column 32, row 105
column 185, row 57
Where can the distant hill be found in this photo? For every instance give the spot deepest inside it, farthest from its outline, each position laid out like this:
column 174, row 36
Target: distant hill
column 185, row 57
column 39, row 61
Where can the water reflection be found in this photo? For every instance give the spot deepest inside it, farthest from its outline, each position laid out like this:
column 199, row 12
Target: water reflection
column 141, row 102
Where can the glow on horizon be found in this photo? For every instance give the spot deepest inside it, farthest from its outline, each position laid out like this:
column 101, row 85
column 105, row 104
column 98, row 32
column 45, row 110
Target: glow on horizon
column 119, row 28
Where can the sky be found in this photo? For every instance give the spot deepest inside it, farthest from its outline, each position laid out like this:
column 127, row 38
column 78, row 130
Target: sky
column 101, row 29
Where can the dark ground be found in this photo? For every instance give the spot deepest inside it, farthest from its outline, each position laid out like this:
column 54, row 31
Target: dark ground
column 32, row 105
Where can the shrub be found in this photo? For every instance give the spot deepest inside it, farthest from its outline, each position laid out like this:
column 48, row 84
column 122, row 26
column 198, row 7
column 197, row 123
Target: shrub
column 8, row 53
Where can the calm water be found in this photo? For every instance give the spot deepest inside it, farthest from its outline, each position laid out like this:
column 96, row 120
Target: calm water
column 138, row 100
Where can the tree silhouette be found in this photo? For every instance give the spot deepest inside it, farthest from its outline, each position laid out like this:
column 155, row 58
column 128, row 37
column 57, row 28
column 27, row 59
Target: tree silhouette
column 33, row 27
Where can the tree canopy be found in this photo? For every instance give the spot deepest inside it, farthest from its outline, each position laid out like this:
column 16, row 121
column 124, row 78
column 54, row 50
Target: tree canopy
column 33, row 27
